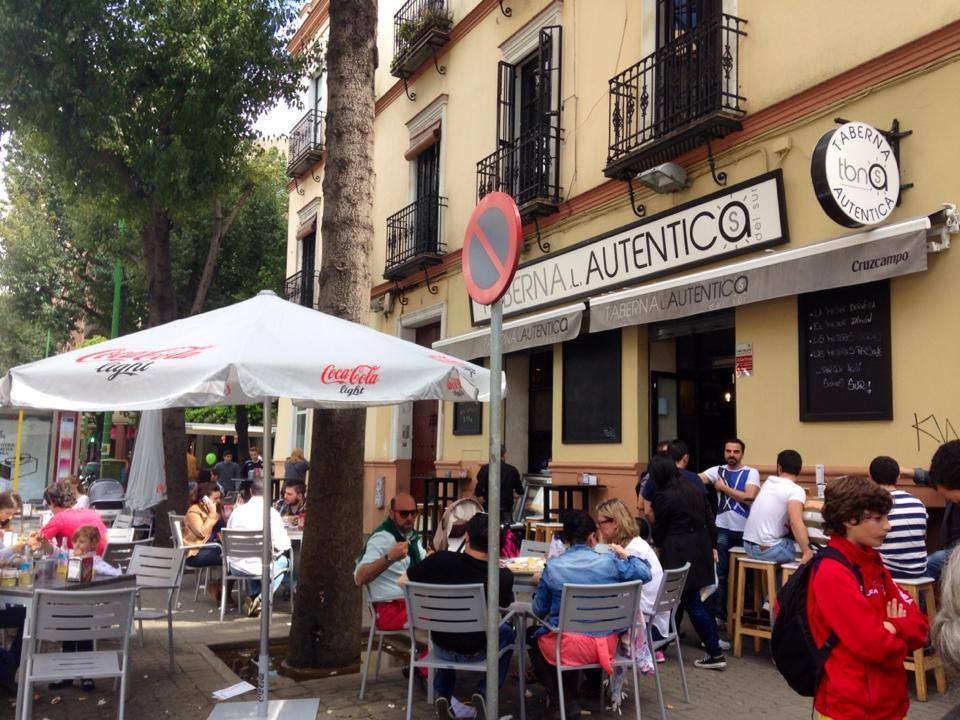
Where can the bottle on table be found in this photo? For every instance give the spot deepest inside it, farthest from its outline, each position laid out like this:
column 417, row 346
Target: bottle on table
column 25, row 578
column 63, row 558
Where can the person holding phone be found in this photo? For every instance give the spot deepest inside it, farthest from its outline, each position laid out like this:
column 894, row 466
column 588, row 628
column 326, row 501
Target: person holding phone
column 202, row 525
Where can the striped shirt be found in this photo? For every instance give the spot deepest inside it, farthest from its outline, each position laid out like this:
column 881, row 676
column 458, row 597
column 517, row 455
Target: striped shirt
column 904, row 552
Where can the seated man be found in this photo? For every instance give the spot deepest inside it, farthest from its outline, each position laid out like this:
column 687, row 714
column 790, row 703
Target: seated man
column 392, row 548
column 249, row 516
column 293, row 502
column 777, row 512
column 904, row 551
column 465, row 568
column 580, row 564
column 945, row 478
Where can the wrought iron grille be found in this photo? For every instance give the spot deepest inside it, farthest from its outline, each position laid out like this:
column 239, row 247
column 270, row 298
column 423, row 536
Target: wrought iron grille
column 414, row 235
column 415, row 18
column 301, row 288
column 526, row 168
column 692, row 76
column 306, row 139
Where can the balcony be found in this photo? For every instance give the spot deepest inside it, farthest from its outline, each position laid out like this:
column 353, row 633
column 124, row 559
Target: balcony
column 420, row 28
column 301, row 288
column 526, row 168
column 414, row 237
column 305, row 147
column 677, row 98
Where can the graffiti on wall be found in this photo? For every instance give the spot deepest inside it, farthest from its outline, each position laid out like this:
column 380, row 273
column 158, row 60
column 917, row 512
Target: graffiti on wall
column 933, row 428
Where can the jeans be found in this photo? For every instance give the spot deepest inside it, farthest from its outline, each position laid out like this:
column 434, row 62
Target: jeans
column 444, row 680
column 281, row 564
column 936, row 561
column 726, row 539
column 206, row 557
column 702, row 621
column 783, row 552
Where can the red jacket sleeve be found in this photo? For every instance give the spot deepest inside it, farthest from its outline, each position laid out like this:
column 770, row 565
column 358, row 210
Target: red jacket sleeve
column 51, row 529
column 855, row 619
column 914, row 628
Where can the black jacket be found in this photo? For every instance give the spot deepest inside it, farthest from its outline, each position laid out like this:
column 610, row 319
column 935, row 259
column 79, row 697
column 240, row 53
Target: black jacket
column 950, row 527
column 685, row 531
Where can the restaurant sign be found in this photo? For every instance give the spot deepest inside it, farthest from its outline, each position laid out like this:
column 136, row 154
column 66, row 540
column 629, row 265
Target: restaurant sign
column 740, row 219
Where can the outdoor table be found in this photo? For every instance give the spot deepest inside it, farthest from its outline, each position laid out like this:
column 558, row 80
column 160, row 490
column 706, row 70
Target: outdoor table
column 565, row 496
column 24, row 596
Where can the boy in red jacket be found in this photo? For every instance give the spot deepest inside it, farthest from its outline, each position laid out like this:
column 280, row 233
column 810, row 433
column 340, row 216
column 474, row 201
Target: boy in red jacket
column 876, row 624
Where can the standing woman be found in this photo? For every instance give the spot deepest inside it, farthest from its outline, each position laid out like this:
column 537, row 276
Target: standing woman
column 684, row 530
column 295, row 467
column 83, row 500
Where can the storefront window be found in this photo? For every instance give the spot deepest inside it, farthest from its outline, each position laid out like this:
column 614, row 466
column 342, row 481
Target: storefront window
column 592, row 389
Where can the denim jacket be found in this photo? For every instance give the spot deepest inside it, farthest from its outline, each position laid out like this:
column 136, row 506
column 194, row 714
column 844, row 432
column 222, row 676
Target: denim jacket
column 581, row 565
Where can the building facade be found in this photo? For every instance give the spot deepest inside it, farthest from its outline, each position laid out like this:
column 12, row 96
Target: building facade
column 736, row 219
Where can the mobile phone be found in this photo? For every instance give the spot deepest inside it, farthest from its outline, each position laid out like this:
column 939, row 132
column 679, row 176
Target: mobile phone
column 207, row 500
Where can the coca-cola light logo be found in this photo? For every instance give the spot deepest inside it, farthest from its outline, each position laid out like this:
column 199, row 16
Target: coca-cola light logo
column 121, row 361
column 352, row 380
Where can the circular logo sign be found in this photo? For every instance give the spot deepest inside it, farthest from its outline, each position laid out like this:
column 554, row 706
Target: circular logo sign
column 855, row 175
column 491, row 247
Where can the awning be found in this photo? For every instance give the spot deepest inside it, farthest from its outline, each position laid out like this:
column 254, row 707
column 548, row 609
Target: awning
column 307, row 227
column 877, row 254
column 423, row 140
column 554, row 326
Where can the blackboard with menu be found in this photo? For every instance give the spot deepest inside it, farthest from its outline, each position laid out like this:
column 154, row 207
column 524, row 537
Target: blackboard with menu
column 845, row 364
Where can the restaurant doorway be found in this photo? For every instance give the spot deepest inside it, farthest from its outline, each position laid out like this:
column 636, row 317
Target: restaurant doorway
column 540, row 412
column 423, row 441
column 692, row 390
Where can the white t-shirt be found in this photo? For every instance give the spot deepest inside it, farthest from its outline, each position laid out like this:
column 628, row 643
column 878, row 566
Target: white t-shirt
column 768, row 523
column 731, row 514
column 249, row 516
column 648, row 594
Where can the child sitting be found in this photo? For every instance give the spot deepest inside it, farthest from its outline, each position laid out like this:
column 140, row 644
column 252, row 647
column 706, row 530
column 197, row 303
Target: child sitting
column 875, row 622
column 86, row 540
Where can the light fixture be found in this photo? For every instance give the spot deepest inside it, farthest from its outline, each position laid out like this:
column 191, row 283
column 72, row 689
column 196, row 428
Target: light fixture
column 666, row 178
column 728, row 396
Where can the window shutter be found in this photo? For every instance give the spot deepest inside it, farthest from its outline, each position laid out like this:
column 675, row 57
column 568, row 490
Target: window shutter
column 550, row 58
column 506, row 82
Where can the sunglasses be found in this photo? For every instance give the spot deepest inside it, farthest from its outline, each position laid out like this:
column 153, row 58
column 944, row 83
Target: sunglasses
column 406, row 513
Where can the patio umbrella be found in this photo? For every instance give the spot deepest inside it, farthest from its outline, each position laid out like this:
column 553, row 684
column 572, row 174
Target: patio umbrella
column 147, row 482
column 249, row 352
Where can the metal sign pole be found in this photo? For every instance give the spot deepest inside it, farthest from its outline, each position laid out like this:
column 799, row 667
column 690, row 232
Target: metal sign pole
column 493, row 513
column 266, row 574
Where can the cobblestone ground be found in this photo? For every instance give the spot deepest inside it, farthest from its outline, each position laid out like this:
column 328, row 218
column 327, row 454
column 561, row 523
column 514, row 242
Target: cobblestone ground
column 749, row 688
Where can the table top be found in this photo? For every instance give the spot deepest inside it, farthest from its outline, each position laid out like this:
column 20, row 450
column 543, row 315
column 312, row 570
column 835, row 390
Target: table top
column 102, row 582
column 548, row 524
column 295, row 535
column 570, row 486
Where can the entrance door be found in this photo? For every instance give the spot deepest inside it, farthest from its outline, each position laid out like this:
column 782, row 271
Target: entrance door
column 540, row 424
column 423, row 444
column 695, row 399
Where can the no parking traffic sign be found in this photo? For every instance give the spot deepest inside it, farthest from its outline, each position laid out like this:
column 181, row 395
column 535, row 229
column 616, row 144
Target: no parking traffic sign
column 491, row 247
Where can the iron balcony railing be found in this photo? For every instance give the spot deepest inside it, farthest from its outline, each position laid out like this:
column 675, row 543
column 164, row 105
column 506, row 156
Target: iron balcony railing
column 414, row 236
column 305, row 146
column 686, row 80
column 415, row 19
column 301, row 288
column 527, row 168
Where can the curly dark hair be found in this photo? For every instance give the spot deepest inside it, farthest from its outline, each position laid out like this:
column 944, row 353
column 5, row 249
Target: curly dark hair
column 945, row 466
column 848, row 499
column 60, row 494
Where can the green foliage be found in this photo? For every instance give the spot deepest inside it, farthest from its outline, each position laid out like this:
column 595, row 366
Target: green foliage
column 227, row 414
column 433, row 16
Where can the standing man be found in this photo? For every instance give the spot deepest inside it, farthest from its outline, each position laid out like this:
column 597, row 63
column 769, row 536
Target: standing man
column 777, row 512
column 904, row 550
column 945, row 477
column 253, row 468
column 227, row 471
column 392, row 548
column 737, row 485
column 679, row 452
column 510, row 486
column 193, row 472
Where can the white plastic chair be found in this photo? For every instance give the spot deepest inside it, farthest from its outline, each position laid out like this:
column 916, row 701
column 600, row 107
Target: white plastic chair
column 533, row 548
column 374, row 632
column 120, row 535
column 157, row 568
column 668, row 600
column 446, row 608
column 599, row 609
column 68, row 616
column 123, row 521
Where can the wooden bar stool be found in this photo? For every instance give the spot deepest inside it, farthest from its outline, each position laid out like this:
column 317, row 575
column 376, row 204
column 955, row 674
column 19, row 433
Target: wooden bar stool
column 753, row 624
column 545, row 531
column 918, row 662
column 529, row 522
column 786, row 570
column 735, row 554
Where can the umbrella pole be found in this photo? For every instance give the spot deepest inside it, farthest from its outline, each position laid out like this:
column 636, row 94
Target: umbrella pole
column 266, row 596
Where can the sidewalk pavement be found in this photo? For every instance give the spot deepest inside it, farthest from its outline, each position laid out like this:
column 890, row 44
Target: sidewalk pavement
column 749, row 688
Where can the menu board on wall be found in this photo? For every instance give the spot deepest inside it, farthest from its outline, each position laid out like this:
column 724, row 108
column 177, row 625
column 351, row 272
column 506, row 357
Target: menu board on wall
column 845, row 364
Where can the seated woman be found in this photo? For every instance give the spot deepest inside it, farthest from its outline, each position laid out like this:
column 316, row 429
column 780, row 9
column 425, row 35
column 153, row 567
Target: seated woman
column 202, row 525
column 580, row 564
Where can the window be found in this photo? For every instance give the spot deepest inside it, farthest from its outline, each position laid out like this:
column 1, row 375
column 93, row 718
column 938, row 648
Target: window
column 300, row 430
column 591, row 389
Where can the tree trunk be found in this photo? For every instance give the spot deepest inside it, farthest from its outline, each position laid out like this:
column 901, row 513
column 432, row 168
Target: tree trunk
column 162, row 304
column 242, row 426
column 326, row 624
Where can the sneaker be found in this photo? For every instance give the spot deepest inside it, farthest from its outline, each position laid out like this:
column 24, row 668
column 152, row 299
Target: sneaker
column 711, row 663
column 253, row 610
column 443, row 709
column 659, row 656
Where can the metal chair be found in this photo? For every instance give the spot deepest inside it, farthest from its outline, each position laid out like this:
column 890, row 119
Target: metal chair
column 446, row 608
column 67, row 616
column 120, row 535
column 119, row 554
column 123, row 521
column 668, row 600
column 239, row 545
column 374, row 632
column 157, row 568
column 599, row 608
column 533, row 548
column 202, row 573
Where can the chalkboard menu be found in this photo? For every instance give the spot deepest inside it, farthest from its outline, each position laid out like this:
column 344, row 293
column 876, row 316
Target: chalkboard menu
column 467, row 418
column 591, row 388
column 845, row 368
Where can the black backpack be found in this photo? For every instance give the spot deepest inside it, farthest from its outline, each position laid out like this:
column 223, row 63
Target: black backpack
column 795, row 653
